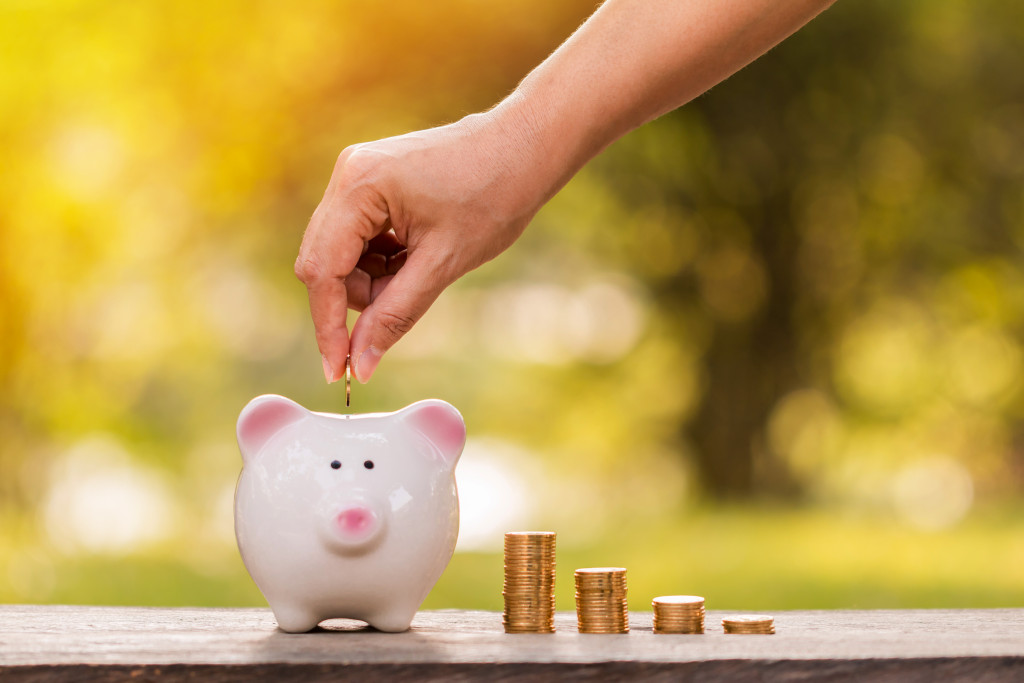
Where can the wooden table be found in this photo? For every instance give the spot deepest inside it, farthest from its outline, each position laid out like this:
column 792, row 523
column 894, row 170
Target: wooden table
column 69, row 643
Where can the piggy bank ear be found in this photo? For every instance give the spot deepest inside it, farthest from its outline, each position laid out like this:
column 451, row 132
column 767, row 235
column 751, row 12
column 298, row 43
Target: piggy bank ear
column 263, row 417
column 441, row 424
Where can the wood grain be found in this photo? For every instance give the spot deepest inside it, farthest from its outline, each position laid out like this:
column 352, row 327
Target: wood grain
column 76, row 643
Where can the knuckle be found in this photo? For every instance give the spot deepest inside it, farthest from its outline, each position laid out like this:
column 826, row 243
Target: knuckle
column 307, row 269
column 395, row 324
column 344, row 155
column 355, row 160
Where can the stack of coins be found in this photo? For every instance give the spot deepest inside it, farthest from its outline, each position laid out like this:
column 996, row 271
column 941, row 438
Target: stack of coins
column 749, row 623
column 529, row 582
column 678, row 614
column 601, row 600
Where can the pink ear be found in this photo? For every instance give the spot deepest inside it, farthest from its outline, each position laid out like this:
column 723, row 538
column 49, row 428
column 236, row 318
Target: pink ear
column 263, row 417
column 441, row 423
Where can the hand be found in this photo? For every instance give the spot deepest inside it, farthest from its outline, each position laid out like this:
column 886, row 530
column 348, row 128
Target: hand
column 403, row 218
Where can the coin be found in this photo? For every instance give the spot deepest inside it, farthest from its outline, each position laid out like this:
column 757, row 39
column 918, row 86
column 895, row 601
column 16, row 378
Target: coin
column 678, row 614
column 529, row 586
column 749, row 623
column 601, row 605
column 348, row 381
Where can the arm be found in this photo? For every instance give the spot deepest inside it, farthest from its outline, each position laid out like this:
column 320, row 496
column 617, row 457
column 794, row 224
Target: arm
column 404, row 217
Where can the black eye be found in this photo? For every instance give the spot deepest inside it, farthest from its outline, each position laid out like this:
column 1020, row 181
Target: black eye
column 368, row 464
column 336, row 465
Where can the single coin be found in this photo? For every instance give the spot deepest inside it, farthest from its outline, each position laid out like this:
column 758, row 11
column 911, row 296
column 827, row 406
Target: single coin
column 678, row 600
column 348, row 381
column 748, row 619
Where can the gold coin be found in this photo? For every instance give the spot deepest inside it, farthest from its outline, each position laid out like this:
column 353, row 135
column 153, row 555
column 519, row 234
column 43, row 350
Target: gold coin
column 678, row 600
column 604, row 629
column 598, row 573
column 592, row 585
column 748, row 620
column 600, row 581
column 348, row 381
column 678, row 614
column 601, row 605
column 530, row 539
column 696, row 626
column 750, row 624
column 528, row 589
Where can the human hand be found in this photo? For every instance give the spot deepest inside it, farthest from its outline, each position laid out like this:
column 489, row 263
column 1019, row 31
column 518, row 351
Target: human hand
column 401, row 219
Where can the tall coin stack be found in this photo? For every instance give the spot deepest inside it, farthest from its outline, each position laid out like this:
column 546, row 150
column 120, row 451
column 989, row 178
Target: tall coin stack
column 749, row 623
column 678, row 614
column 601, row 600
column 529, row 582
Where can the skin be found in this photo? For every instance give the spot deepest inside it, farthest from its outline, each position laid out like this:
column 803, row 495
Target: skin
column 404, row 217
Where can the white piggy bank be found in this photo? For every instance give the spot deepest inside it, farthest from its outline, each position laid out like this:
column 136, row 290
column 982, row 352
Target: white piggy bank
column 347, row 516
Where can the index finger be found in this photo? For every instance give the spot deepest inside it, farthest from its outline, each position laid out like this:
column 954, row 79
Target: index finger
column 330, row 250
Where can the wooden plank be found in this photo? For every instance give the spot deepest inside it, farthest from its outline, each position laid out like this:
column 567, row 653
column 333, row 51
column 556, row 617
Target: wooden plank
column 64, row 643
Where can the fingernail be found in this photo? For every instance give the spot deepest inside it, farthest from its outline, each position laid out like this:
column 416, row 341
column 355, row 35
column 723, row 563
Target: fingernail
column 367, row 363
column 328, row 372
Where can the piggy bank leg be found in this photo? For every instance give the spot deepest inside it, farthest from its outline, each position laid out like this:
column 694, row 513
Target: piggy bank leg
column 295, row 619
column 392, row 620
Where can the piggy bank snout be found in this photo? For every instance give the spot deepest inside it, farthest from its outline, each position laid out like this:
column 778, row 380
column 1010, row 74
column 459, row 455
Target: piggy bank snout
column 355, row 526
column 357, row 522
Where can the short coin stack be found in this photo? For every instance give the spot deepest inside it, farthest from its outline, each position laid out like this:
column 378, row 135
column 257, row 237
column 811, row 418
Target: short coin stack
column 678, row 614
column 749, row 623
column 601, row 600
column 529, row 582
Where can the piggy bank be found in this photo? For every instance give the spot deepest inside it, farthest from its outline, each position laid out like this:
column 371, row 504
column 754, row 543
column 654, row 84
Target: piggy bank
column 347, row 515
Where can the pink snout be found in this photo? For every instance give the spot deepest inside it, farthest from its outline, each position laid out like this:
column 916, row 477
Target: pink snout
column 357, row 524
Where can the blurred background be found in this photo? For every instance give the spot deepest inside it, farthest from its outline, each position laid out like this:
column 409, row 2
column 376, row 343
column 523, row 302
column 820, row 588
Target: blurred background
column 766, row 349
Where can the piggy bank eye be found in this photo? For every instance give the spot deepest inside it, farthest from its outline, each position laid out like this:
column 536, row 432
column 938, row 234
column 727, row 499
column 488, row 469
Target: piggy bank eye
column 336, row 465
column 368, row 464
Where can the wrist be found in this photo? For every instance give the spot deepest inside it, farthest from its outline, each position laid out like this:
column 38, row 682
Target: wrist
column 537, row 158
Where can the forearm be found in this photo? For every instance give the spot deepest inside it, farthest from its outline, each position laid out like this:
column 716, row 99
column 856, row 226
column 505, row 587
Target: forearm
column 631, row 62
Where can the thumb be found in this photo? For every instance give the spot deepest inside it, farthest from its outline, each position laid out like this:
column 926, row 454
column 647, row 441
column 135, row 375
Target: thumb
column 393, row 313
